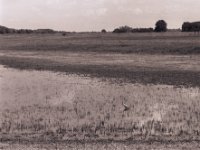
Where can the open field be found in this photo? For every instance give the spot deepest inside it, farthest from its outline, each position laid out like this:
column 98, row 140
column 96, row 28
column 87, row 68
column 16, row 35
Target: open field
column 72, row 88
column 165, row 58
column 40, row 106
column 145, row 43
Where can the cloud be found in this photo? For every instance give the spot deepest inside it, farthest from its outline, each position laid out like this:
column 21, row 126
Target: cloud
column 138, row 11
column 130, row 11
column 36, row 9
column 95, row 12
column 101, row 11
column 119, row 2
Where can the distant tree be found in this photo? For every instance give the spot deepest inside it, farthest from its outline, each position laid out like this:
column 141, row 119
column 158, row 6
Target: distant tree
column 191, row 27
column 142, row 30
column 123, row 29
column 186, row 27
column 161, row 26
column 27, row 31
column 4, row 30
column 44, row 31
column 103, row 31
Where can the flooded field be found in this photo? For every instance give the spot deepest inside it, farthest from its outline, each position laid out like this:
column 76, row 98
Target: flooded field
column 44, row 105
column 135, row 91
column 26, row 88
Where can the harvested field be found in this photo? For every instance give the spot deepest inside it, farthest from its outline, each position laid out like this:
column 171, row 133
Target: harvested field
column 139, row 43
column 74, row 88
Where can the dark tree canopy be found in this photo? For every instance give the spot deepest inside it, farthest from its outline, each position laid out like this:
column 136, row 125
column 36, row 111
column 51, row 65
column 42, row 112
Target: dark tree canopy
column 123, row 29
column 5, row 30
column 127, row 29
column 142, row 30
column 103, row 31
column 161, row 26
column 191, row 27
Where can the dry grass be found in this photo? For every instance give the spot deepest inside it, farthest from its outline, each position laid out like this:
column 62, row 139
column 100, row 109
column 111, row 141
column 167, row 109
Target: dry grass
column 93, row 110
column 164, row 99
column 102, row 145
column 144, row 43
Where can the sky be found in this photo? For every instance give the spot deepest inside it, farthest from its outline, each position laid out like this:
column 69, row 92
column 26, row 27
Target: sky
column 94, row 15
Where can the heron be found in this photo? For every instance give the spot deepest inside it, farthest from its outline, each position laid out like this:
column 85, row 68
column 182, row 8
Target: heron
column 126, row 107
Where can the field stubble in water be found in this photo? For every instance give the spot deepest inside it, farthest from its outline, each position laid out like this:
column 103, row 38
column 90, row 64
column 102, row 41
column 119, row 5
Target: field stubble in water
column 42, row 105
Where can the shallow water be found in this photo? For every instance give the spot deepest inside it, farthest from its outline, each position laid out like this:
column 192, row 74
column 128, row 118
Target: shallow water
column 19, row 87
column 25, row 88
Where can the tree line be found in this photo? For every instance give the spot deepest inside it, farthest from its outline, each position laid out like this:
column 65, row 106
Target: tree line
column 191, row 27
column 160, row 26
column 5, row 30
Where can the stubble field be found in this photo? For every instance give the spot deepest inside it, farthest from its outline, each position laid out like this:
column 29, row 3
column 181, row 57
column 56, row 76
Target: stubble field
column 72, row 88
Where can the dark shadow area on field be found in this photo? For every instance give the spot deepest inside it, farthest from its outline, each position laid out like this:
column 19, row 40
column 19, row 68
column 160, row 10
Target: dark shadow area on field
column 120, row 48
column 118, row 73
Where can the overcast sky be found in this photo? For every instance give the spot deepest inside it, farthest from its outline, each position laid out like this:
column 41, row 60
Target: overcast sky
column 94, row 15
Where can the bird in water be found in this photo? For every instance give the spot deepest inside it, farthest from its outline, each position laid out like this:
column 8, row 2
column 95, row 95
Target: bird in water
column 126, row 107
